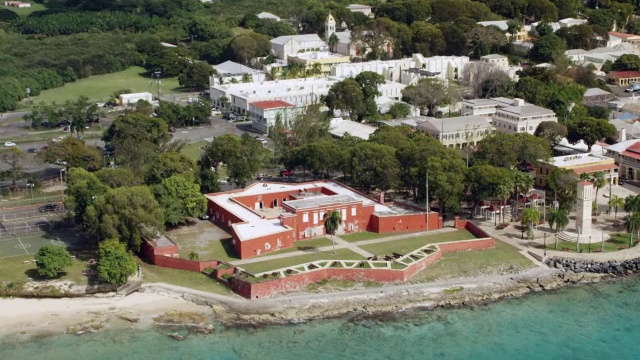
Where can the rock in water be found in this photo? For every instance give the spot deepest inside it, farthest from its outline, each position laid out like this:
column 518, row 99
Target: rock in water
column 176, row 336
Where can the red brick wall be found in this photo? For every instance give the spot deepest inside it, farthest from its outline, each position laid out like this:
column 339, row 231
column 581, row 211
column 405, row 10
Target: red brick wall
column 267, row 199
column 184, row 264
column 470, row 227
column 478, row 244
column 249, row 248
column 295, row 282
column 401, row 223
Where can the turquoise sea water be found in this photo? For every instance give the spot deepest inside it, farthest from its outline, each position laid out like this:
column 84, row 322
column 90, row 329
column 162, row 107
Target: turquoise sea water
column 586, row 322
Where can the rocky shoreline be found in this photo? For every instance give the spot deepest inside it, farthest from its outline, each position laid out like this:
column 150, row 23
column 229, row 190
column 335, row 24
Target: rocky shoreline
column 613, row 267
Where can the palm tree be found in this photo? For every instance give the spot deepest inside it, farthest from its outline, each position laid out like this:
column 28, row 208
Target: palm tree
column 333, row 41
column 523, row 182
column 632, row 204
column 503, row 191
column 194, row 256
column 615, row 202
column 599, row 181
column 529, row 217
column 559, row 218
column 632, row 223
column 332, row 221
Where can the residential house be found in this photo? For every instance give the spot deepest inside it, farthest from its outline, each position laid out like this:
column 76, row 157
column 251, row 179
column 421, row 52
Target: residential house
column 623, row 78
column 457, row 132
column 597, row 97
column 263, row 114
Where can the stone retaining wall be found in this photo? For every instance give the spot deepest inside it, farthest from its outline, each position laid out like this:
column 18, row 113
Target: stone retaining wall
column 591, row 266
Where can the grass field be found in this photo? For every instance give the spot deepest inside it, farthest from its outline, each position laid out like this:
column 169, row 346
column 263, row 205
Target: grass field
column 29, row 244
column 194, row 150
column 408, row 245
column 24, row 12
column 100, row 87
column 341, row 254
column 615, row 243
column 188, row 279
column 367, row 235
column 475, row 263
column 15, row 270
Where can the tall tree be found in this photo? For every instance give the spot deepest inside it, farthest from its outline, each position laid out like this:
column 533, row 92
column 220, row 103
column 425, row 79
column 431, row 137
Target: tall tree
column 374, row 166
column 51, row 260
column 551, row 131
column 345, row 96
column 615, row 203
column 558, row 218
column 428, row 95
column 590, row 130
column 626, row 62
column 563, row 183
column 75, row 153
column 180, row 199
column 13, row 158
column 548, row 48
column 332, row 221
column 115, row 263
column 195, row 76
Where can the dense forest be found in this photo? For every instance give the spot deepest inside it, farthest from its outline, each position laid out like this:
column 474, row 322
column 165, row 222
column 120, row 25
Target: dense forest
column 74, row 39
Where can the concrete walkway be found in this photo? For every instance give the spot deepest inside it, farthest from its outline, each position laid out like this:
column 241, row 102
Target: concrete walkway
column 351, row 246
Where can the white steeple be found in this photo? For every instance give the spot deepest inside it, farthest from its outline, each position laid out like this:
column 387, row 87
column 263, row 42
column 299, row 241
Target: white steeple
column 329, row 26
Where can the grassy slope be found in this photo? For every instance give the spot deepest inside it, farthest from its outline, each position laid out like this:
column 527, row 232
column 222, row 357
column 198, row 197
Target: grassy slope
column 410, row 244
column 100, row 87
column 341, row 254
column 23, row 12
column 188, row 279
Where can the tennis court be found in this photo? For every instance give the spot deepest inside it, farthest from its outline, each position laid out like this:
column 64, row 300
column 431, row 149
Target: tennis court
column 29, row 243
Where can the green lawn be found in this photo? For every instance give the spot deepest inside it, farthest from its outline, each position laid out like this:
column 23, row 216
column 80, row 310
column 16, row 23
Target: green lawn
column 188, row 279
column 475, row 263
column 26, row 199
column 408, row 245
column 367, row 235
column 341, row 254
column 13, row 270
column 302, row 245
column 100, row 87
column 194, row 150
column 24, row 12
column 615, row 243
column 215, row 249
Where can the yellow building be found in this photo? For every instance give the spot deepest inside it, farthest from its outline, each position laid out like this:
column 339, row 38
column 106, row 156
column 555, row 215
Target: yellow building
column 324, row 58
column 580, row 164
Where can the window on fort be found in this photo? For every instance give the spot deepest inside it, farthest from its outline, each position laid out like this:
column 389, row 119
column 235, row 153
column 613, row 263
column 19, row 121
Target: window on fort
column 305, row 217
column 321, row 214
column 315, row 218
column 353, row 211
column 267, row 246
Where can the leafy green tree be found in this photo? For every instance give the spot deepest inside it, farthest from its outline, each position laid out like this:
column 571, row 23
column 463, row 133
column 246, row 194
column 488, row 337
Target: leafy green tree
column 115, row 177
column 126, row 213
column 486, row 40
column 446, row 179
column 544, row 29
column 194, row 256
column 508, row 150
column 247, row 46
column 243, row 157
column 455, row 39
column 51, row 260
column 503, row 191
column 626, row 62
column 75, row 153
column 632, row 223
column 558, row 218
column 168, row 164
column 115, row 263
column 563, row 182
column 333, row 41
column 548, row 48
column 542, row 10
column 568, row 8
column 399, row 110
column 483, row 182
column 551, row 131
column 530, row 217
column 180, row 199
column 346, row 96
column 428, row 95
column 427, row 39
column 579, row 37
column 614, row 203
column 195, row 76
column 373, row 166
column 332, row 221
column 590, row 130
column 373, row 35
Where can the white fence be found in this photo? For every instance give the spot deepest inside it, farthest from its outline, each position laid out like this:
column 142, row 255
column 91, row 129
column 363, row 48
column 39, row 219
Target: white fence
column 24, row 229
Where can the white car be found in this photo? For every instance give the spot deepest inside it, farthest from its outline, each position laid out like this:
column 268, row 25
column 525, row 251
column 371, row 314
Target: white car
column 9, row 144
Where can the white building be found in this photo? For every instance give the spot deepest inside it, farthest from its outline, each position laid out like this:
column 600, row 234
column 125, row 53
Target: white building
column 457, row 132
column 268, row 15
column 283, row 46
column 132, row 99
column 569, row 22
column 509, row 115
column 299, row 92
column 598, row 56
column 365, row 9
column 408, row 70
column 521, row 117
column 338, row 127
column 230, row 71
column 263, row 114
column 18, row 4
column 500, row 61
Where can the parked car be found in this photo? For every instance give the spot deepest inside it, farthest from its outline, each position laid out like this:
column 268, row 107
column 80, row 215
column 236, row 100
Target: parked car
column 204, row 217
column 49, row 207
column 287, row 173
column 263, row 141
column 241, row 118
column 621, row 181
column 633, row 88
column 9, row 144
column 32, row 150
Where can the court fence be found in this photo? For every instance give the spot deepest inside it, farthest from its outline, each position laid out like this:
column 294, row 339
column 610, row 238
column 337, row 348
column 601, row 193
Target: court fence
column 24, row 229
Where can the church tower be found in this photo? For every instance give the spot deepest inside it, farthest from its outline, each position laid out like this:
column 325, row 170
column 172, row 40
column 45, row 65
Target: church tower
column 329, row 27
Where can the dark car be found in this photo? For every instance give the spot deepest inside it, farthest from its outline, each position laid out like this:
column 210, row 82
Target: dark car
column 49, row 207
column 33, row 150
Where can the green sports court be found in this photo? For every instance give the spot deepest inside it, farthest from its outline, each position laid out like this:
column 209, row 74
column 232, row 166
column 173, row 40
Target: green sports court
column 29, row 243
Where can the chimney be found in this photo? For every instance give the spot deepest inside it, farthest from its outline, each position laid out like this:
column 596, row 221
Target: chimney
column 622, row 136
column 381, row 197
column 518, row 102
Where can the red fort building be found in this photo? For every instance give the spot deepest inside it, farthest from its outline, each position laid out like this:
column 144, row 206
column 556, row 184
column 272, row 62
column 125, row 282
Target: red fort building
column 266, row 216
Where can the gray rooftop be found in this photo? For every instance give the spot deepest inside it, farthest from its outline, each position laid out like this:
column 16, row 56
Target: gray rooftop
column 595, row 92
column 320, row 201
column 493, row 56
column 460, row 123
column 527, row 110
column 300, row 38
column 233, row 68
column 482, row 102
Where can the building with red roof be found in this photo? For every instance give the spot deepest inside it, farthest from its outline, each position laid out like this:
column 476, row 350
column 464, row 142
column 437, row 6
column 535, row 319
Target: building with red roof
column 579, row 164
column 263, row 114
column 623, row 78
column 630, row 162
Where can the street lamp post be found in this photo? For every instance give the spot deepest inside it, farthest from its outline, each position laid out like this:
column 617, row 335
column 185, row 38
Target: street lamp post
column 545, row 245
column 30, row 186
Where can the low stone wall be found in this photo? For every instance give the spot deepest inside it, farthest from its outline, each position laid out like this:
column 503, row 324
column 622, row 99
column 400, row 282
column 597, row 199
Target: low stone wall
column 183, row 264
column 467, row 245
column 591, row 266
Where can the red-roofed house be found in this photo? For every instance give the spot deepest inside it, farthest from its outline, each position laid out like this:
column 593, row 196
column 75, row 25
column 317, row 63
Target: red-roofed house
column 263, row 114
column 628, row 38
column 622, row 78
column 630, row 162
